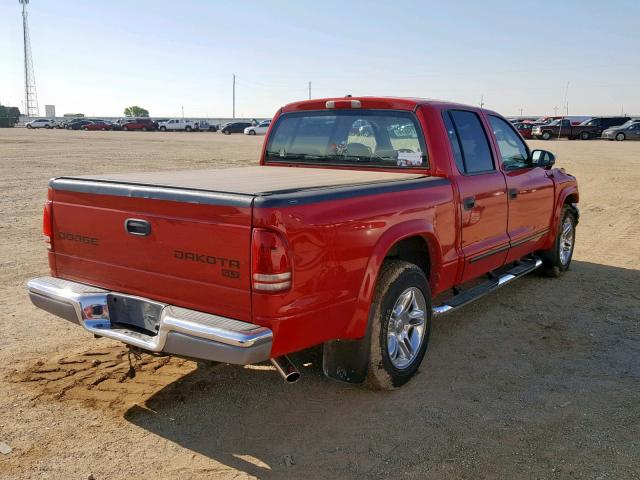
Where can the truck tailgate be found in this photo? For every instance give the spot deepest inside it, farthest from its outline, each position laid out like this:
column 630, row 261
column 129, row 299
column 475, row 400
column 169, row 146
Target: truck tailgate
column 196, row 253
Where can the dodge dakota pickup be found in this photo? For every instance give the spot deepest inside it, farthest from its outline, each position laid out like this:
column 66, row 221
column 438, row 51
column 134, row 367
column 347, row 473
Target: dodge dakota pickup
column 338, row 238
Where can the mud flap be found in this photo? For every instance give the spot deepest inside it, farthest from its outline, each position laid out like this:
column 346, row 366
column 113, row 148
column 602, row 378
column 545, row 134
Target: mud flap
column 346, row 360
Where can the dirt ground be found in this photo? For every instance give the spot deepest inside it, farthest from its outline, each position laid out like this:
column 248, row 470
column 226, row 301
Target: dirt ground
column 538, row 380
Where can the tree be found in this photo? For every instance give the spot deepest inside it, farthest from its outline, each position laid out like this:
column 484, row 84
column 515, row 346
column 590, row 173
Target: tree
column 136, row 111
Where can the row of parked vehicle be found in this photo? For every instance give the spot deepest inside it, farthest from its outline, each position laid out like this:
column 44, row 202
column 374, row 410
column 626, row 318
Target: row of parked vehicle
column 610, row 128
column 148, row 124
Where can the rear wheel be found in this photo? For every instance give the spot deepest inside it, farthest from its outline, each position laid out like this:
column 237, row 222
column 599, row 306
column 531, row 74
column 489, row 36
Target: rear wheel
column 620, row 137
column 546, row 135
column 585, row 136
column 400, row 325
column 557, row 259
column 163, row 129
column 187, row 128
column 252, row 132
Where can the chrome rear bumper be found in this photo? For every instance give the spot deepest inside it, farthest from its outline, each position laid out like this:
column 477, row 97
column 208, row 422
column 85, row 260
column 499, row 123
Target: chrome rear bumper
column 181, row 331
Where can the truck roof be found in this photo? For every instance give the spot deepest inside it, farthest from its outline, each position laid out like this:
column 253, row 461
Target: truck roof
column 383, row 103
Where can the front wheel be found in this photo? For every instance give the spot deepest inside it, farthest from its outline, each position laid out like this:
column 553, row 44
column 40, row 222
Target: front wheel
column 187, row 129
column 557, row 259
column 252, row 132
column 227, row 132
column 163, row 129
column 584, row 136
column 620, row 137
column 29, row 127
column 400, row 323
column 546, row 135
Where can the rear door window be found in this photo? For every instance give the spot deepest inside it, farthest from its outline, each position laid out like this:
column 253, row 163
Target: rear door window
column 469, row 142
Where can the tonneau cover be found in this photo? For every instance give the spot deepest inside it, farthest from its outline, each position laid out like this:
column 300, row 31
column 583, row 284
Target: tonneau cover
column 256, row 180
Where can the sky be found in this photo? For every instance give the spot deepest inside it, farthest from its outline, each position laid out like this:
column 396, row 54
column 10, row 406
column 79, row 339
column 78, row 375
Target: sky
column 99, row 57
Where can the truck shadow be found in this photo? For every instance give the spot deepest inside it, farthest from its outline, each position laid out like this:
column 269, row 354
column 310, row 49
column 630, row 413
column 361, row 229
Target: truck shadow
column 502, row 376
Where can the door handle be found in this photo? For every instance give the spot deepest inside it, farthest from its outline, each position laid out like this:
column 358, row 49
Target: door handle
column 135, row 226
column 513, row 193
column 469, row 203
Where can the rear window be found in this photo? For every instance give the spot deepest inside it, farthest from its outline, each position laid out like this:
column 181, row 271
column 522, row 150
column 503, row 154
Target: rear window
column 376, row 138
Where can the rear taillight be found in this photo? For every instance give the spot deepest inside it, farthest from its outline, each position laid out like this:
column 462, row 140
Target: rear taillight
column 47, row 228
column 271, row 265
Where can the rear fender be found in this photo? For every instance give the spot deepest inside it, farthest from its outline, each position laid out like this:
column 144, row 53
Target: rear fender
column 347, row 360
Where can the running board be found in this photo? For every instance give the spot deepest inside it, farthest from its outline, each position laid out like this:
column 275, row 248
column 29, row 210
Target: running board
column 468, row 296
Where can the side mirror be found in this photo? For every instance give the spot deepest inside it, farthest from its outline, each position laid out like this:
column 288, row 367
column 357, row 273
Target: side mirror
column 543, row 159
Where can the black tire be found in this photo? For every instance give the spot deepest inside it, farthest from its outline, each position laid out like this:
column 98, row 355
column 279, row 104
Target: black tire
column 552, row 260
column 621, row 137
column 546, row 135
column 396, row 276
column 29, row 127
column 226, row 132
column 187, row 128
column 585, row 136
column 163, row 129
column 252, row 132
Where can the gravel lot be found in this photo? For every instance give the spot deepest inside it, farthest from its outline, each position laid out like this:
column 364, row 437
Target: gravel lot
column 538, row 380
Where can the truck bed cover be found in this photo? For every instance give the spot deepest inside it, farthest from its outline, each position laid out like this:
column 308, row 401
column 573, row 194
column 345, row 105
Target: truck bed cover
column 256, row 180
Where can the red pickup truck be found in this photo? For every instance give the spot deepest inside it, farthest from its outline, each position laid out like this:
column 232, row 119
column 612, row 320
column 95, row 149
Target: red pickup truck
column 354, row 238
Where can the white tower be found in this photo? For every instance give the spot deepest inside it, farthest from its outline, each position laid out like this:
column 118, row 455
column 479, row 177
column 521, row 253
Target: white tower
column 30, row 95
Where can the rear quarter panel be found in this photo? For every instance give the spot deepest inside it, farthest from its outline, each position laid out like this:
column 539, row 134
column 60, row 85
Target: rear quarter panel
column 338, row 247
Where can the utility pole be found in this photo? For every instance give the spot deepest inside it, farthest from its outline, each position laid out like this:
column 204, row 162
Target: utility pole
column 566, row 99
column 521, row 110
column 183, row 112
column 234, row 96
column 309, row 90
column 482, row 101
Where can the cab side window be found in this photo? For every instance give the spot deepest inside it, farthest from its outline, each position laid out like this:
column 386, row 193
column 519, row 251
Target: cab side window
column 513, row 151
column 468, row 141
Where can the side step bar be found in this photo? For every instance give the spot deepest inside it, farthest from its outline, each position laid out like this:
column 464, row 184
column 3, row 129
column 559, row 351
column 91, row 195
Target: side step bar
column 468, row 296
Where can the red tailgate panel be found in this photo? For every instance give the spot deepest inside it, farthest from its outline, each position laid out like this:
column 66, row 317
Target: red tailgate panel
column 196, row 255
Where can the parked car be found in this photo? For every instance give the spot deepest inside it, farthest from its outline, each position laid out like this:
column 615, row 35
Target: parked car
column 600, row 124
column 628, row 131
column 357, row 248
column 234, row 127
column 205, row 126
column 41, row 123
column 524, row 129
column 259, row 129
column 564, row 129
column 97, row 125
column 144, row 124
column 178, row 124
column 77, row 124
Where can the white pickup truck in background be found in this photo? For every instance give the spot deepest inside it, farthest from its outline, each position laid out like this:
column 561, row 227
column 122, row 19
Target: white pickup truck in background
column 178, row 124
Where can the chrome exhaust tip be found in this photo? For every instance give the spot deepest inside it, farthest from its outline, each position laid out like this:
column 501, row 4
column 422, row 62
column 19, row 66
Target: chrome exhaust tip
column 286, row 369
